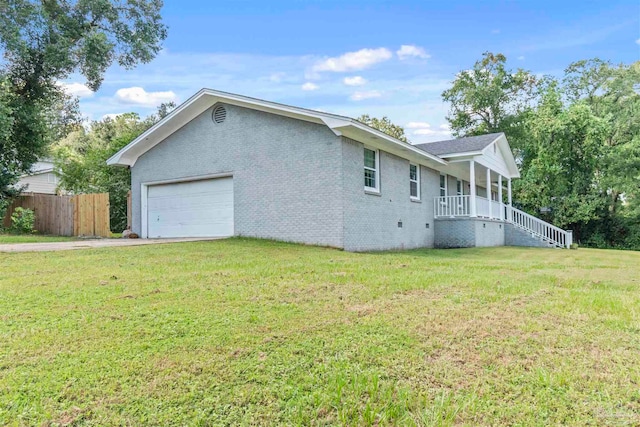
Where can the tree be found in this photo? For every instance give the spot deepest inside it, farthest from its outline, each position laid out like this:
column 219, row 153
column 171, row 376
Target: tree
column 566, row 156
column 384, row 125
column 46, row 41
column 490, row 98
column 81, row 159
column 576, row 139
column 612, row 94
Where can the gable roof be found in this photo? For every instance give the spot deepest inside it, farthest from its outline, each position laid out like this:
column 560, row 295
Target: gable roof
column 205, row 98
column 470, row 145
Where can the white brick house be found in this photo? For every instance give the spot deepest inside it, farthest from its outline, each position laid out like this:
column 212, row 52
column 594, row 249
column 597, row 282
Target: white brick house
column 222, row 164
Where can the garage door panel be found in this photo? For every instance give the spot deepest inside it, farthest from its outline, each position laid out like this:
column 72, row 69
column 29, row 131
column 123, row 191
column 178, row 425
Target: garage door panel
column 191, row 209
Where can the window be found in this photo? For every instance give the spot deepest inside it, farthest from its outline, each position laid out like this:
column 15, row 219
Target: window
column 52, row 179
column 443, row 185
column 371, row 170
column 459, row 188
column 414, row 181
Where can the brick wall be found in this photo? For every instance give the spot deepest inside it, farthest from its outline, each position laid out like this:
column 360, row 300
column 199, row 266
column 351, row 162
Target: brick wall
column 287, row 173
column 468, row 232
column 371, row 220
column 516, row 236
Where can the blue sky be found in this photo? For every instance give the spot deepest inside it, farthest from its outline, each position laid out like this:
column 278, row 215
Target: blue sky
column 390, row 58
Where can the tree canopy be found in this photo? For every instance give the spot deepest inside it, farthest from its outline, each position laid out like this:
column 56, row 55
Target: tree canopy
column 384, row 125
column 81, row 158
column 44, row 42
column 576, row 139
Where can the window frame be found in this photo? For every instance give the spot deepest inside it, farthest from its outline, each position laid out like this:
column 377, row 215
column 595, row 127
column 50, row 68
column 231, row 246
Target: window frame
column 459, row 187
column 52, row 178
column 417, row 181
column 446, row 190
column 375, row 170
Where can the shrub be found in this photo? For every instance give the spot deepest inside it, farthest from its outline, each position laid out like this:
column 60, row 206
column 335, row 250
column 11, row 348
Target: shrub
column 22, row 220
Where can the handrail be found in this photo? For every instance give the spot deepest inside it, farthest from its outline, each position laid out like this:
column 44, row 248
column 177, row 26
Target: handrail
column 539, row 227
column 452, row 206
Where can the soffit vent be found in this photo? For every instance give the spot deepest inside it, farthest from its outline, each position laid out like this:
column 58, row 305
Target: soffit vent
column 219, row 114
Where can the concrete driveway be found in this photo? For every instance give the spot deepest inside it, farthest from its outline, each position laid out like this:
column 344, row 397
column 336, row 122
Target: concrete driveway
column 90, row 244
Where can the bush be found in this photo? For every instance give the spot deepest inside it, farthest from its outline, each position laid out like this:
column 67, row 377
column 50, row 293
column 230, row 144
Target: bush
column 22, row 220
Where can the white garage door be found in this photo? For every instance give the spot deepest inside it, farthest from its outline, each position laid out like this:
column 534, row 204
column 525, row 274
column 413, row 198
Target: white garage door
column 191, row 209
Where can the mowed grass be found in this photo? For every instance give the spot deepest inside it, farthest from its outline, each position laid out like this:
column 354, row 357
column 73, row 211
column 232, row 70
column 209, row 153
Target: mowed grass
column 253, row 332
column 31, row 238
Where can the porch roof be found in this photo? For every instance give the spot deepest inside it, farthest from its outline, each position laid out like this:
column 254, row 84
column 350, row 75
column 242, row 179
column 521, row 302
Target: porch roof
column 470, row 145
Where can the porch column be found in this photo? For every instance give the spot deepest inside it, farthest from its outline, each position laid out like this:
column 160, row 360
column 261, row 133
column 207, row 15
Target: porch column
column 489, row 189
column 509, row 215
column 500, row 196
column 472, row 185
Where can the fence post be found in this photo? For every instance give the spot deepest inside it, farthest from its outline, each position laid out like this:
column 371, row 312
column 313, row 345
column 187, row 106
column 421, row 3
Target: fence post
column 569, row 238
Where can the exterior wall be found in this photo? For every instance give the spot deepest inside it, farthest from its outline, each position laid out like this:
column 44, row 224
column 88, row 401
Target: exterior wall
column 489, row 233
column 515, row 236
column 39, row 183
column 468, row 233
column 371, row 220
column 454, row 233
column 287, row 173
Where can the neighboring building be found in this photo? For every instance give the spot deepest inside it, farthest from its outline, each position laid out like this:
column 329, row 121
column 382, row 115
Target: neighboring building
column 42, row 178
column 223, row 164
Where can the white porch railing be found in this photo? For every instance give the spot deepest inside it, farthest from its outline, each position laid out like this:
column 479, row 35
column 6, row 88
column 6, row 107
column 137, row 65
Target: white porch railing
column 488, row 208
column 542, row 229
column 456, row 206
column 460, row 206
column 452, row 206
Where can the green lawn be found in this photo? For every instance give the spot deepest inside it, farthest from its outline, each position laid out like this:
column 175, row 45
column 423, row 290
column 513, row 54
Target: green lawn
column 31, row 238
column 260, row 333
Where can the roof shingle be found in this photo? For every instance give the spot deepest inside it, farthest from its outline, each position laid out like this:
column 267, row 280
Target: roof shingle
column 460, row 145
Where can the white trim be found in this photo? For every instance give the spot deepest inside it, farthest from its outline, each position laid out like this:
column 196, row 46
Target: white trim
column 446, row 185
column 205, row 98
column 375, row 189
column 144, row 221
column 144, row 193
column 417, row 181
column 488, row 190
column 459, row 184
column 472, row 184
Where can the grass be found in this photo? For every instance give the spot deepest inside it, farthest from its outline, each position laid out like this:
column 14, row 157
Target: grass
column 31, row 238
column 259, row 333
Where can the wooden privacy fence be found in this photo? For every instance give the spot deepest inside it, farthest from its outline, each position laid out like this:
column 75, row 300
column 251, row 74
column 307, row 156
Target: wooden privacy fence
column 81, row 215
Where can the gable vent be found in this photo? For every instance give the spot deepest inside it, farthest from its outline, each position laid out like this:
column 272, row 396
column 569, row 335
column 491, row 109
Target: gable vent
column 219, row 114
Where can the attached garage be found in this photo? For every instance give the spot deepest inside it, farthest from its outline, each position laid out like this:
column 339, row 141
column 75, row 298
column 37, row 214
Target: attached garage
column 202, row 208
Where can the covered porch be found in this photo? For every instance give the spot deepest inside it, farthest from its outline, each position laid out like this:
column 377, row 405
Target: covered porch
column 475, row 207
column 480, row 193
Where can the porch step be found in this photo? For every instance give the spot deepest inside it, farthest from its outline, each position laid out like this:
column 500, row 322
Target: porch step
column 515, row 235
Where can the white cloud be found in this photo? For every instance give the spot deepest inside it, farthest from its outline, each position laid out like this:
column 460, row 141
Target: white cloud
column 407, row 51
column 638, row 41
column 111, row 116
column 354, row 81
column 76, row 89
column 139, row 96
column 424, row 128
column 425, row 131
column 353, row 61
column 309, row 86
column 359, row 96
column 418, row 125
column 495, row 31
column 521, row 58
